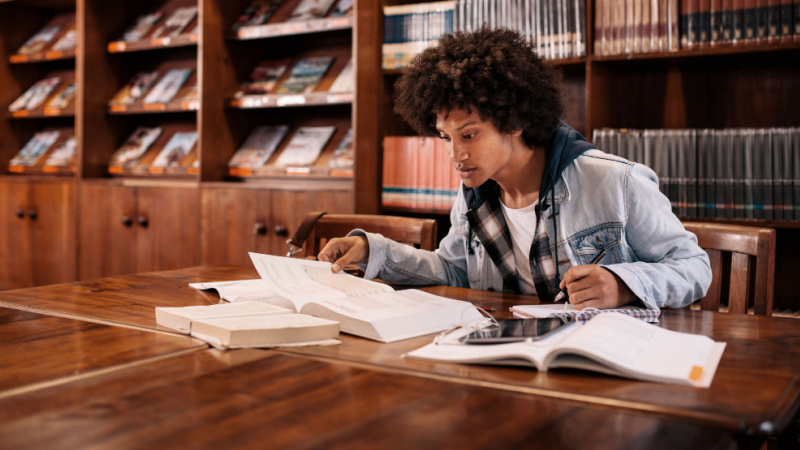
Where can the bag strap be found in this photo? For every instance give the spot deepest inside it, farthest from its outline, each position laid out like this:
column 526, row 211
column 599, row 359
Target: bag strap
column 295, row 244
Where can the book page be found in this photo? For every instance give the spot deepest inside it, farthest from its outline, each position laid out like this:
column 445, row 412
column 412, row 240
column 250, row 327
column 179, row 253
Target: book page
column 302, row 280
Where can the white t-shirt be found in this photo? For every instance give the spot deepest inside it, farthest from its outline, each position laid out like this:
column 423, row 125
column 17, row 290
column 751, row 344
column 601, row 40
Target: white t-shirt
column 522, row 225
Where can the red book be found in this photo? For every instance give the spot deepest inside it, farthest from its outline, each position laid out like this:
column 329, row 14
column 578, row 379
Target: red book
column 716, row 22
column 704, row 23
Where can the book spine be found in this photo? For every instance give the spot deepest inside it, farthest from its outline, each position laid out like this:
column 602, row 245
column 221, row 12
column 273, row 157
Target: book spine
column 786, row 175
column 750, row 21
column 715, row 14
column 727, row 21
column 748, row 137
column 738, row 22
column 787, row 21
column 796, row 20
column 796, row 171
column 688, row 26
column 599, row 35
column 704, row 20
column 762, row 21
column 773, row 21
column 646, row 26
column 769, row 210
column 673, row 18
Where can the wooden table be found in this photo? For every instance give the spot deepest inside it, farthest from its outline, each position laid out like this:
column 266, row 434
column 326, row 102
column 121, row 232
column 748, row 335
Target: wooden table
column 756, row 391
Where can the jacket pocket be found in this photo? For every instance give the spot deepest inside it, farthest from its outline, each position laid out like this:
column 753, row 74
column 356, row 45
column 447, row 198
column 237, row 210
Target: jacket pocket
column 587, row 244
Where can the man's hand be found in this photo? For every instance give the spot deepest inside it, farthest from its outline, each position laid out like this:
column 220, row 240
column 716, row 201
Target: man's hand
column 593, row 286
column 344, row 251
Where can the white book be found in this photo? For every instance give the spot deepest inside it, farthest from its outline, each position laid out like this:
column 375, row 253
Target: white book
column 305, row 146
column 179, row 145
column 167, row 87
column 35, row 148
column 241, row 290
column 364, row 308
column 345, row 81
column 614, row 344
column 248, row 324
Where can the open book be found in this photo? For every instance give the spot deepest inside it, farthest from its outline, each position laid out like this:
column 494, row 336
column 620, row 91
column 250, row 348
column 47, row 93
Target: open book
column 613, row 343
column 248, row 324
column 364, row 308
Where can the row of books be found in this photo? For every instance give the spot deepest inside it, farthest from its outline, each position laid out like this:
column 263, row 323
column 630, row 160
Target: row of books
column 555, row 27
column 54, row 147
column 731, row 173
column 259, row 12
column 418, row 174
column 304, row 77
column 173, row 154
column 303, row 149
column 641, row 26
column 53, row 37
column 151, row 26
column 49, row 92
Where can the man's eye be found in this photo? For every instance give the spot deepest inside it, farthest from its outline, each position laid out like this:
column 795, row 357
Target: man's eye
column 445, row 138
column 468, row 136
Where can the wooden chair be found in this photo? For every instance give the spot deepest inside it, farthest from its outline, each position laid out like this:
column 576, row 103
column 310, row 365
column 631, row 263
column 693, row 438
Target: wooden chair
column 742, row 266
column 420, row 233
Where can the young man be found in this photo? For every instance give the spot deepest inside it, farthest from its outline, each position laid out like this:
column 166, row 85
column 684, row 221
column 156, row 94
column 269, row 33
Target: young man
column 538, row 203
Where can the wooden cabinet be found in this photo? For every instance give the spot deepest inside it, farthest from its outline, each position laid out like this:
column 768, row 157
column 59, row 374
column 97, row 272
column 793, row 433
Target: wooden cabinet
column 128, row 228
column 241, row 219
column 37, row 229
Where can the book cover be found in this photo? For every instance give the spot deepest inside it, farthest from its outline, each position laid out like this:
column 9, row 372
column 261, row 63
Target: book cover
column 182, row 318
column 39, row 41
column 342, row 8
column 176, row 23
column 141, row 27
column 258, row 12
column 345, row 81
column 773, row 20
column 305, row 146
column 63, row 98
column 285, row 330
column 704, row 23
column 179, row 145
column 36, row 147
column 259, row 146
column 135, row 146
column 136, row 88
column 310, row 9
column 68, row 41
column 759, row 146
column 168, row 86
column 63, row 155
column 264, row 78
column 344, row 156
column 305, row 75
column 35, row 95
column 747, row 138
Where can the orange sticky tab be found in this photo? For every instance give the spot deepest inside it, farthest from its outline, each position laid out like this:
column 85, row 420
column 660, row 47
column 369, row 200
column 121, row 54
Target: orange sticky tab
column 155, row 169
column 696, row 374
column 20, row 113
column 53, row 55
column 240, row 172
column 193, row 171
column 52, row 111
column 18, row 58
column 16, row 169
column 118, row 108
column 118, row 46
column 194, row 37
column 154, row 107
column 50, row 169
column 115, row 169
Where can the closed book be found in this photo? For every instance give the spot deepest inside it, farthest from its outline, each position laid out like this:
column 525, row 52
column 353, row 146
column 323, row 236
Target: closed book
column 738, row 37
column 787, row 21
column 769, row 203
column 750, row 21
column 760, row 142
column 773, row 20
column 762, row 20
column 727, row 21
column 283, row 330
column 716, row 22
column 748, row 143
column 689, row 23
column 704, row 23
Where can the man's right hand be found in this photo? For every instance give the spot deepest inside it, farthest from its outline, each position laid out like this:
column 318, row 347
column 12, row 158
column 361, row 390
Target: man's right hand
column 341, row 252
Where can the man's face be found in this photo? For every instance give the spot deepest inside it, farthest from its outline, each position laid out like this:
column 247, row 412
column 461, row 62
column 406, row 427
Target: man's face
column 476, row 148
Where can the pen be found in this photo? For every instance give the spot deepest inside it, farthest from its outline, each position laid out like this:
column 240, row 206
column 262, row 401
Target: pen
column 561, row 295
column 485, row 308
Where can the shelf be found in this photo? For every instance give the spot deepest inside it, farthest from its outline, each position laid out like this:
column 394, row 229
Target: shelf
column 284, row 100
column 68, row 171
column 735, row 50
column 292, row 28
column 152, row 172
column 308, row 173
column 42, row 56
column 155, row 108
column 183, row 40
column 42, row 112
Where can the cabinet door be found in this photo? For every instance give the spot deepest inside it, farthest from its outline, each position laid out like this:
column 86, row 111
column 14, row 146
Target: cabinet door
column 51, row 216
column 289, row 208
column 235, row 221
column 107, row 230
column 15, row 252
column 168, row 228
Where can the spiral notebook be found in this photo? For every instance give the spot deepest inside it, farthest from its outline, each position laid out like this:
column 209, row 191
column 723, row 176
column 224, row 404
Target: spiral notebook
column 581, row 315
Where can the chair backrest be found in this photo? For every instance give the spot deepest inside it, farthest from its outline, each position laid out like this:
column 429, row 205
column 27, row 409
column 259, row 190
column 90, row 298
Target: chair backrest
column 421, row 233
column 742, row 266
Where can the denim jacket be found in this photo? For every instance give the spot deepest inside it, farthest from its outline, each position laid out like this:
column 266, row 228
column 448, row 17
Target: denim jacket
column 602, row 202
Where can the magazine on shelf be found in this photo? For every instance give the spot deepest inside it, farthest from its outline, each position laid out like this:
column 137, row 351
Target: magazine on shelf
column 39, row 41
column 35, row 95
column 305, row 75
column 305, row 146
column 135, row 146
column 179, row 145
column 264, row 78
column 63, row 98
column 168, row 86
column 363, row 308
column 68, row 41
column 63, row 155
column 344, row 156
column 345, row 81
column 310, row 9
column 141, row 27
column 258, row 12
column 259, row 146
column 136, row 88
column 35, row 148
column 176, row 23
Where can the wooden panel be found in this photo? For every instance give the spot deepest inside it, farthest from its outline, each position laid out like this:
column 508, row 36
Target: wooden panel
column 168, row 236
column 234, row 222
column 289, row 208
column 242, row 399
column 107, row 232
column 47, row 349
column 53, row 232
column 15, row 232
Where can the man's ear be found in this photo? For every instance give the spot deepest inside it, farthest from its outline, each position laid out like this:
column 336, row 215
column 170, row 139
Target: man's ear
column 516, row 133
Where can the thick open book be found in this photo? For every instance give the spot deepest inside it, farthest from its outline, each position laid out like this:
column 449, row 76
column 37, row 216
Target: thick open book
column 614, row 344
column 248, row 324
column 364, row 308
